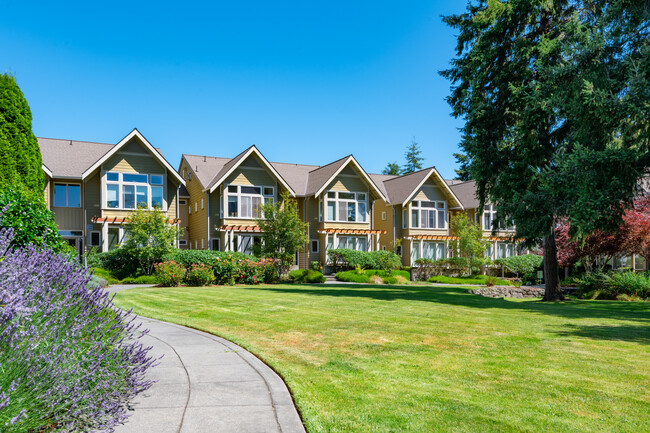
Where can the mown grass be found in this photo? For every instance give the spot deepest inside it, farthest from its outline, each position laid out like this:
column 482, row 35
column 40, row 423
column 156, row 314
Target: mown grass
column 378, row 358
column 475, row 279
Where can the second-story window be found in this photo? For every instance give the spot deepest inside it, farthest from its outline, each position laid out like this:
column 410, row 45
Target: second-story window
column 245, row 201
column 346, row 206
column 134, row 190
column 67, row 195
column 490, row 216
column 429, row 214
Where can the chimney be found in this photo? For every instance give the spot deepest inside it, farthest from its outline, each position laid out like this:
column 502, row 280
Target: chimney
column 204, row 157
column 196, row 169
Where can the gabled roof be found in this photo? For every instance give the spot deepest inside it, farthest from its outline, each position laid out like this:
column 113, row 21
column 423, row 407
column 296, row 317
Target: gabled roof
column 402, row 188
column 232, row 165
column 68, row 158
column 323, row 176
column 466, row 193
column 118, row 146
column 203, row 168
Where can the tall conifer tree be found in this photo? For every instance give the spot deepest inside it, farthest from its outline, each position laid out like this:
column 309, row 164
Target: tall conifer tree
column 554, row 94
column 20, row 155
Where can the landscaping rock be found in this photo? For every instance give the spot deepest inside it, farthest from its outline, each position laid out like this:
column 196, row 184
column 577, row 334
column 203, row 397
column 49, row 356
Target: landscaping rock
column 515, row 292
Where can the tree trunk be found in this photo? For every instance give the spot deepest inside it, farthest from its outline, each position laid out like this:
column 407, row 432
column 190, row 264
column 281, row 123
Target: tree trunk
column 553, row 291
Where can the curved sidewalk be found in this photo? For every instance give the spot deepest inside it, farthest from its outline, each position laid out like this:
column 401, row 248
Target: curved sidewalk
column 208, row 384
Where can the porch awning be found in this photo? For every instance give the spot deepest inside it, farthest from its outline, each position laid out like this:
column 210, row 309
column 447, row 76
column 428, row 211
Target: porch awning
column 353, row 231
column 121, row 220
column 239, row 228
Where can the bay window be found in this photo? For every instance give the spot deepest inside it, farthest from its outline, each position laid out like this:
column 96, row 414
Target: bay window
column 134, row 190
column 429, row 214
column 245, row 201
column 346, row 206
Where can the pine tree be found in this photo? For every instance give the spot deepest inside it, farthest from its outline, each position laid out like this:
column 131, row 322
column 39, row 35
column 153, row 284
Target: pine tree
column 554, row 95
column 392, row 168
column 462, row 173
column 413, row 158
column 20, row 155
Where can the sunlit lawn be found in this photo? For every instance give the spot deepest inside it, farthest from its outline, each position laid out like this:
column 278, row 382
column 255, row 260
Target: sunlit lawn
column 422, row 359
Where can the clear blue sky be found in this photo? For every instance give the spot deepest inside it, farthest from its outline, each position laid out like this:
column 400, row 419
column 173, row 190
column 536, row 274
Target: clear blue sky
column 307, row 82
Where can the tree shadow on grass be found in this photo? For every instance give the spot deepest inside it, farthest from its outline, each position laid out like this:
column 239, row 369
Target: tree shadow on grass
column 631, row 333
column 573, row 309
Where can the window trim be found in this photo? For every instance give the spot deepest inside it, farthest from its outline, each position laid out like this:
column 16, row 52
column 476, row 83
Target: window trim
column 338, row 200
column 311, row 246
column 238, row 195
column 416, row 207
column 67, row 194
column 90, row 238
column 120, row 190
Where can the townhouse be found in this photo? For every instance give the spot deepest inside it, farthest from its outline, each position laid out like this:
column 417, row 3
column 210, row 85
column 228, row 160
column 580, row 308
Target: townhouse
column 336, row 200
column 92, row 187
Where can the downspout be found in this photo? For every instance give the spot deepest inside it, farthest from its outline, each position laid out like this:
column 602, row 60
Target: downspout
column 394, row 229
column 304, row 215
column 207, row 198
column 85, row 223
column 178, row 215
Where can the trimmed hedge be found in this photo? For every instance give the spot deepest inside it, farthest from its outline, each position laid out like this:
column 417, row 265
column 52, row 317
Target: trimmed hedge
column 307, row 276
column 350, row 259
column 366, row 276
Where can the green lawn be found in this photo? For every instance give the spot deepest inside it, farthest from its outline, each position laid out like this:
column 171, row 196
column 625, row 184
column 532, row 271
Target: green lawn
column 415, row 358
column 475, row 279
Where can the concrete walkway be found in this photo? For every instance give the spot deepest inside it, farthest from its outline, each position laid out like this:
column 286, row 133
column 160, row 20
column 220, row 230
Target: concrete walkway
column 208, row 384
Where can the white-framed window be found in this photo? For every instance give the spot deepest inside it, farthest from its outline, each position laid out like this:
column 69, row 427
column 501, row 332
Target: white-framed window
column 115, row 237
column 344, row 206
column 189, row 176
column 246, row 243
column 383, row 216
column 67, row 195
column 429, row 214
column 320, row 210
column 134, row 190
column 433, row 250
column 490, row 215
column 201, row 203
column 404, row 218
column 505, row 249
column 182, row 201
column 189, row 210
column 196, row 207
column 184, row 174
column 202, row 243
column 245, row 201
column 182, row 242
column 359, row 243
column 95, row 238
column 314, row 245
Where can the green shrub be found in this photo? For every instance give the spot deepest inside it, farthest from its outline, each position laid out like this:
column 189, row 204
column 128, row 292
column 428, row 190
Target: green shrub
column 390, row 280
column 32, row 221
column 306, row 276
column 120, row 262
column 365, row 277
column 316, row 266
column 169, row 274
column 521, row 265
column 106, row 275
column 491, row 281
column 600, row 285
column 142, row 279
column 350, row 259
column 198, row 275
column 96, row 281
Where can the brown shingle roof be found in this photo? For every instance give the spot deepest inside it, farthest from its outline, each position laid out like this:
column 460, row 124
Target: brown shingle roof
column 466, row 193
column 205, row 167
column 319, row 176
column 69, row 158
column 400, row 188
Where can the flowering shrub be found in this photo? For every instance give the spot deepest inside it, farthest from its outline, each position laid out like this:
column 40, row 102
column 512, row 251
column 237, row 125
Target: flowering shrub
column 169, row 274
column 198, row 275
column 70, row 360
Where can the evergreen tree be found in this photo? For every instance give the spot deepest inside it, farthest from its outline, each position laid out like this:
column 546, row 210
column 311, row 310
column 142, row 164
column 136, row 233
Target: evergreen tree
column 392, row 168
column 413, row 158
column 20, row 156
column 462, row 173
column 554, row 95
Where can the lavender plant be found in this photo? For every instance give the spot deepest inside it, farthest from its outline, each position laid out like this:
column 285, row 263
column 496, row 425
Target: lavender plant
column 69, row 359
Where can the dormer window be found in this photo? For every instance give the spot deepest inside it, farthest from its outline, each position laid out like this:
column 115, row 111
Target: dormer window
column 429, row 214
